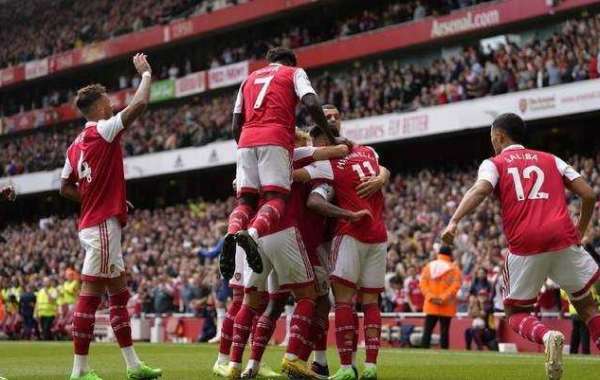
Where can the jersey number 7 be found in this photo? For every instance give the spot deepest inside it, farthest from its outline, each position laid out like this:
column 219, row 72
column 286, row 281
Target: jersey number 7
column 264, row 82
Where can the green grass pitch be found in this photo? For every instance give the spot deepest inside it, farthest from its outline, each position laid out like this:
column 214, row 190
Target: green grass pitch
column 49, row 361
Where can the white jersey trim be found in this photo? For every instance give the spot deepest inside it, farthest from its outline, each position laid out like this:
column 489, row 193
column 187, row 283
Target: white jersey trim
column 109, row 129
column 488, row 172
column 320, row 170
column 325, row 190
column 566, row 170
column 302, row 84
column 67, row 170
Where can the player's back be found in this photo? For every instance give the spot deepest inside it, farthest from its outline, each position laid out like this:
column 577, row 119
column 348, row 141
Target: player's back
column 348, row 173
column 532, row 195
column 270, row 96
column 96, row 165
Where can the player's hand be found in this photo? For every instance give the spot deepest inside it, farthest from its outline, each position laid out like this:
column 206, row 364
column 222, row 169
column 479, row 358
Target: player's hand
column 369, row 186
column 141, row 64
column 449, row 233
column 8, row 193
column 358, row 215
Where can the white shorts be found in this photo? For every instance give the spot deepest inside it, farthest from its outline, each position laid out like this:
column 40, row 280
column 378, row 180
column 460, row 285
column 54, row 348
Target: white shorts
column 324, row 255
column 237, row 281
column 103, row 255
column 263, row 168
column 284, row 254
column 358, row 265
column 269, row 283
column 572, row 268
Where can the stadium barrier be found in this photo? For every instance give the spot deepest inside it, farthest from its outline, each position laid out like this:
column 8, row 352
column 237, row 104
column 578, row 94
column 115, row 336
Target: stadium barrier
column 548, row 102
column 186, row 328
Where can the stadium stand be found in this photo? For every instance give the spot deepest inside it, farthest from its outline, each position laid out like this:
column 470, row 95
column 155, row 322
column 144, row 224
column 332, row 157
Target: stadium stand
column 366, row 88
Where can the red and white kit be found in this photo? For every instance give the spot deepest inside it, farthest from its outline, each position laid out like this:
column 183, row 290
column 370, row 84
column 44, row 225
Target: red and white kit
column 289, row 252
column 359, row 249
column 95, row 162
column 267, row 99
column 543, row 241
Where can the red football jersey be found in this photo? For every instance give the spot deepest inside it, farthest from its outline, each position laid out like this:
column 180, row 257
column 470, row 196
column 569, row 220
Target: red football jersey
column 530, row 187
column 268, row 99
column 345, row 175
column 95, row 162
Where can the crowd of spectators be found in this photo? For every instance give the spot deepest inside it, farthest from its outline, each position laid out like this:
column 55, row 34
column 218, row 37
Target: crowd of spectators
column 170, row 252
column 67, row 24
column 193, row 123
column 330, row 23
column 365, row 89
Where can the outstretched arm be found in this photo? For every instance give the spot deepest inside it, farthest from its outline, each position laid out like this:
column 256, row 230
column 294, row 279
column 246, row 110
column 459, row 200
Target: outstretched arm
column 329, row 152
column 319, row 204
column 142, row 96
column 580, row 187
column 473, row 198
column 313, row 106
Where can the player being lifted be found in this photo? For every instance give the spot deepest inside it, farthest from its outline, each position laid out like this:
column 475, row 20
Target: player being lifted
column 543, row 242
column 93, row 176
column 264, row 128
column 359, row 249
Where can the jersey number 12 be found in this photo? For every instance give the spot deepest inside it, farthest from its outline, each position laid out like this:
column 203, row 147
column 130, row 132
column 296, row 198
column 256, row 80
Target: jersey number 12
column 535, row 192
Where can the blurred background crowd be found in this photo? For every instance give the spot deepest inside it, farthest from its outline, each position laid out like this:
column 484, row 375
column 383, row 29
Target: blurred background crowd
column 366, row 88
column 170, row 253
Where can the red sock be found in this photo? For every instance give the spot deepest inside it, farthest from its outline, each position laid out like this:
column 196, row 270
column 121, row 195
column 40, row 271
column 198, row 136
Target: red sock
column 268, row 216
column 344, row 331
column 83, row 322
column 227, row 328
column 239, row 218
column 320, row 329
column 119, row 317
column 259, row 311
column 263, row 333
column 356, row 329
column 594, row 329
column 372, row 328
column 528, row 327
column 241, row 332
column 300, row 326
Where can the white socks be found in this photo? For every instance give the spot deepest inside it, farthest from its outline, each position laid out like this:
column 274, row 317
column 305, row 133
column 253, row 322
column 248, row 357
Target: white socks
column 321, row 357
column 370, row 365
column 290, row 356
column 131, row 358
column 221, row 312
column 253, row 364
column 80, row 365
column 223, row 358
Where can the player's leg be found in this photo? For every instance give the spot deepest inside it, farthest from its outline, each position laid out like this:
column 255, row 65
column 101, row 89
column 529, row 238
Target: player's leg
column 320, row 324
column 445, row 332
column 93, row 275
column 256, row 285
column 274, row 171
column 221, row 294
column 524, row 276
column 247, row 185
column 345, row 260
column 371, row 284
column 576, row 271
column 222, row 363
column 118, row 296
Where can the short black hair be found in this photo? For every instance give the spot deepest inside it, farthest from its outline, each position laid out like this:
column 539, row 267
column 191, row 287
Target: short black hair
column 445, row 250
column 88, row 95
column 316, row 131
column 512, row 125
column 282, row 55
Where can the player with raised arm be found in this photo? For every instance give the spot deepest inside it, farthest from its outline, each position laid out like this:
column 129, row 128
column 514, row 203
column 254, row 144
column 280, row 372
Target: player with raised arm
column 543, row 241
column 361, row 238
column 264, row 120
column 93, row 175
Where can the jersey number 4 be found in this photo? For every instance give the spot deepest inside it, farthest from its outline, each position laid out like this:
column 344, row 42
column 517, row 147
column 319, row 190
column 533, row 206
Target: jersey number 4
column 535, row 192
column 264, row 82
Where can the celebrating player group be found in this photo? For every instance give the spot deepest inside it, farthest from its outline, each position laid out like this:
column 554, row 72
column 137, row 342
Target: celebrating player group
column 309, row 221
